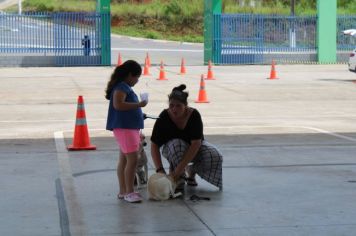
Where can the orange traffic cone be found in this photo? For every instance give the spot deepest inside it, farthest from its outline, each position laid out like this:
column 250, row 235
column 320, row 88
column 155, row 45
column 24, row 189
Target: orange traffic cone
column 273, row 74
column 119, row 60
column 202, row 98
column 162, row 74
column 148, row 60
column 182, row 67
column 81, row 139
column 146, row 68
column 210, row 75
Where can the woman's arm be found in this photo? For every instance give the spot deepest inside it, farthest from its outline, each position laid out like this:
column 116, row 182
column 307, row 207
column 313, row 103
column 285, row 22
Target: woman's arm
column 187, row 158
column 120, row 104
column 156, row 157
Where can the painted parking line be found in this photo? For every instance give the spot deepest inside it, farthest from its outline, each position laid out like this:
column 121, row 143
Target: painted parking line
column 331, row 133
column 72, row 205
column 286, row 126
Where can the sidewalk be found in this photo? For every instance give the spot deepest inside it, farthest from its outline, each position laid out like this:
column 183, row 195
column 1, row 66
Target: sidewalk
column 289, row 154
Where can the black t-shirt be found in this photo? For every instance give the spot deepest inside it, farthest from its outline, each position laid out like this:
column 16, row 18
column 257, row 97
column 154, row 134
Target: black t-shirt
column 164, row 129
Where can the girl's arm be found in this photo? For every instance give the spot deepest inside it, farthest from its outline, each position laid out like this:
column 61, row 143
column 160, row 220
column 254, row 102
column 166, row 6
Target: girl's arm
column 120, row 104
column 187, row 158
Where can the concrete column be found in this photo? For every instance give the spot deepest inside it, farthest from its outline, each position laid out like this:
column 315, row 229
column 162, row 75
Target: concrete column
column 326, row 31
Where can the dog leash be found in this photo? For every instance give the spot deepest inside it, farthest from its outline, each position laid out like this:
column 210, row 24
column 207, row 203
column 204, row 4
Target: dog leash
column 145, row 116
column 195, row 198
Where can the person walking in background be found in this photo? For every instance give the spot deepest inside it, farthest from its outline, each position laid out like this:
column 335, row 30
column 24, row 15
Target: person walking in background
column 178, row 132
column 125, row 119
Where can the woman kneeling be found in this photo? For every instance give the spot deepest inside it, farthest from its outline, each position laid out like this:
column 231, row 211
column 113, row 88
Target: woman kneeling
column 178, row 132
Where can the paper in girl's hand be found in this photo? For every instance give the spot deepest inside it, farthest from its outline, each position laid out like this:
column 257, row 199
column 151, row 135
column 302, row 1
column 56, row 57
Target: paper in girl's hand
column 144, row 96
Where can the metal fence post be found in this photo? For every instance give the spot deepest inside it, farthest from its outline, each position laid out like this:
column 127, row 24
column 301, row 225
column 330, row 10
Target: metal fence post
column 211, row 7
column 103, row 8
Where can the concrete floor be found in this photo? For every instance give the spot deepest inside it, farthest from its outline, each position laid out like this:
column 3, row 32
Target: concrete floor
column 289, row 154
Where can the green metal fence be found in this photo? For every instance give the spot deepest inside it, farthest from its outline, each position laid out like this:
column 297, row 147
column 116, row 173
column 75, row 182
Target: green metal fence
column 62, row 39
column 259, row 39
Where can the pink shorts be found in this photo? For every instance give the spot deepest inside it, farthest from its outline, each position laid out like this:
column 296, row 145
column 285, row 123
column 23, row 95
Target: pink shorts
column 127, row 139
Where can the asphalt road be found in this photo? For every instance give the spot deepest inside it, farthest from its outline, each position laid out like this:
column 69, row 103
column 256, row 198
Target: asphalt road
column 6, row 3
column 171, row 53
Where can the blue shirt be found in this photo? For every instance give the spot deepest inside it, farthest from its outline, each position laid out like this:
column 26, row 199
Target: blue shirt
column 129, row 119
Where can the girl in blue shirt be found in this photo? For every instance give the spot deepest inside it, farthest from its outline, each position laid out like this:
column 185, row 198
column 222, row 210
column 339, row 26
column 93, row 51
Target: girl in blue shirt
column 125, row 119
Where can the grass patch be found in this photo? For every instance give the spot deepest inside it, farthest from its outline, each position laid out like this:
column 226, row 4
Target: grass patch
column 58, row 5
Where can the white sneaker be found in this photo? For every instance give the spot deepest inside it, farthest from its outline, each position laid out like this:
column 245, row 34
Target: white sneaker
column 133, row 197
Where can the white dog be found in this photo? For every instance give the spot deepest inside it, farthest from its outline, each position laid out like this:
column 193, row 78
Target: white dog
column 161, row 187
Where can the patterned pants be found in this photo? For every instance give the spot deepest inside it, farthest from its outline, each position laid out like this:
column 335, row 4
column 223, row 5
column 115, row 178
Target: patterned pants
column 207, row 163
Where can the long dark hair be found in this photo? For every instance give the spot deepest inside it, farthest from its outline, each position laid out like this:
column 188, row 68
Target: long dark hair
column 179, row 94
column 129, row 67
